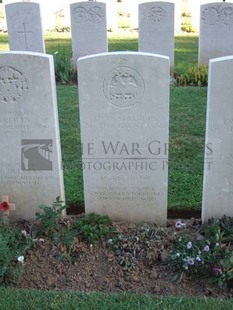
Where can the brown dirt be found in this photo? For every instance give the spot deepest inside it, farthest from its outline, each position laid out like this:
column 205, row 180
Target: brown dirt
column 96, row 267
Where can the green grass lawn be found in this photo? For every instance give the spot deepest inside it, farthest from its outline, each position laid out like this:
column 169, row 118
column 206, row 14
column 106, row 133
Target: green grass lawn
column 33, row 300
column 186, row 46
column 187, row 130
column 187, row 124
column 187, row 121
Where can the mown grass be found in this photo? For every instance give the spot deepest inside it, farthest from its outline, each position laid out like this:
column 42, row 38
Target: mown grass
column 187, row 127
column 186, row 46
column 186, row 152
column 187, row 122
column 33, row 300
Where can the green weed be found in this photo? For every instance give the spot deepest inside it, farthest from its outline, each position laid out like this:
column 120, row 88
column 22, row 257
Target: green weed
column 94, row 227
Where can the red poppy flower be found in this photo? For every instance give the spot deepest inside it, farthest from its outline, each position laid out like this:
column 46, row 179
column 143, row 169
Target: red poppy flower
column 4, row 206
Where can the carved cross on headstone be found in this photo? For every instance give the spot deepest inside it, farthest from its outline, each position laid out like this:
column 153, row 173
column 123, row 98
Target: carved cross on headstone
column 25, row 32
column 12, row 205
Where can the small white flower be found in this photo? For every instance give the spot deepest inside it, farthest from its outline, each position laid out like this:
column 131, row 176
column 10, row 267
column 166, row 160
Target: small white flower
column 206, row 248
column 190, row 261
column 198, row 259
column 217, row 245
column 24, row 233
column 179, row 224
column 189, row 245
column 178, row 254
column 186, row 267
column 20, row 259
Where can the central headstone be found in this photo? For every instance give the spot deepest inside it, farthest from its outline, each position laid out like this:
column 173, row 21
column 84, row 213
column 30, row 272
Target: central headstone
column 24, row 27
column 216, row 31
column 124, row 116
column 218, row 174
column 30, row 162
column 156, row 29
column 88, row 28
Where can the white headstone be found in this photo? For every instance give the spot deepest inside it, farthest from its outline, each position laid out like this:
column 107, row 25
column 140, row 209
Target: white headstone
column 156, row 29
column 24, row 27
column 218, row 174
column 88, row 28
column 134, row 12
column 216, row 31
column 124, row 117
column 30, row 162
column 194, row 9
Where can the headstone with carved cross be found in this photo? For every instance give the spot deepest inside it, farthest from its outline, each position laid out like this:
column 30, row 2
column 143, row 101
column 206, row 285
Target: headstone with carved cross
column 12, row 206
column 24, row 27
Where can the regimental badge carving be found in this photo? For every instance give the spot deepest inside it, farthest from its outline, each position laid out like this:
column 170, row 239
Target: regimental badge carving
column 94, row 15
column 123, row 87
column 227, row 15
column 80, row 15
column 13, row 85
column 156, row 14
column 216, row 15
column 210, row 16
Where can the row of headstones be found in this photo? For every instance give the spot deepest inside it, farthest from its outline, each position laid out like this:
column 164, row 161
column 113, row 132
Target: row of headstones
column 156, row 29
column 124, row 117
column 89, row 28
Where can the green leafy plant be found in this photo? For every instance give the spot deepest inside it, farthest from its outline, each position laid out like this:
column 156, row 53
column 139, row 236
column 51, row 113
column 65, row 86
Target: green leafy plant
column 144, row 243
column 49, row 217
column 65, row 238
column 61, row 29
column 187, row 27
column 12, row 246
column 64, row 69
column 94, row 227
column 195, row 76
column 211, row 256
column 226, row 224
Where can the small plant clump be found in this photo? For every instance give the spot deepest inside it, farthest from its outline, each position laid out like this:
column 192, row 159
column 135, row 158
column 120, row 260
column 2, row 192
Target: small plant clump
column 13, row 246
column 94, row 227
column 64, row 69
column 91, row 228
column 49, row 217
column 195, row 76
column 144, row 243
column 211, row 255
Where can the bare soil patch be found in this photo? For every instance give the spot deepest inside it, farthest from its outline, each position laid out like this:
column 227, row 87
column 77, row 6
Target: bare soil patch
column 97, row 267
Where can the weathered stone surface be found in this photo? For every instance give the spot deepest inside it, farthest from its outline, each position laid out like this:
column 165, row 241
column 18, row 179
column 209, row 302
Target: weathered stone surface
column 88, row 28
column 30, row 162
column 24, row 27
column 156, row 29
column 124, row 116
column 218, row 173
column 216, row 31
